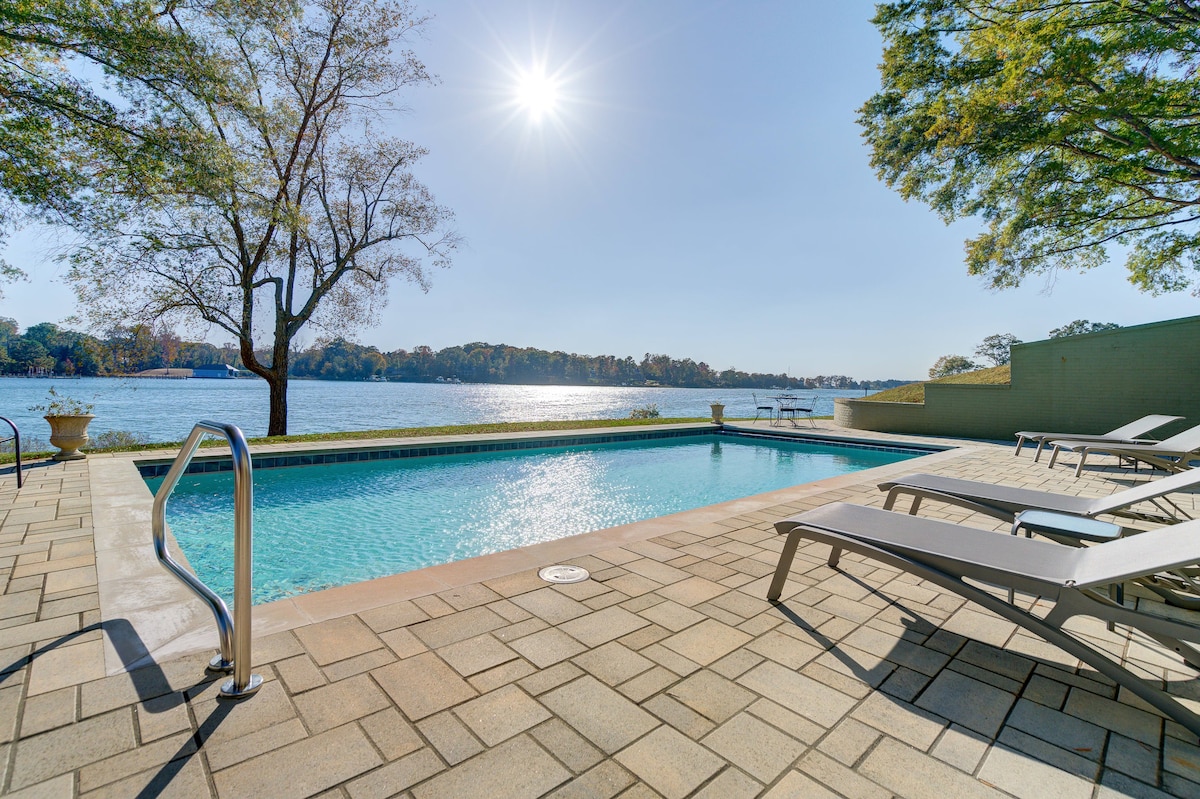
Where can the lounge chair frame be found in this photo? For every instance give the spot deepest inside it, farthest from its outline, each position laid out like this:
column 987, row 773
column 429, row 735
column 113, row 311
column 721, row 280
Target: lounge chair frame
column 1181, row 588
column 948, row 555
column 1130, row 433
column 1004, row 502
column 1171, row 454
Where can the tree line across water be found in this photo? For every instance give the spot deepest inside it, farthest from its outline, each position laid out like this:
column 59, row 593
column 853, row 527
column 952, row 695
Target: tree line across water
column 48, row 348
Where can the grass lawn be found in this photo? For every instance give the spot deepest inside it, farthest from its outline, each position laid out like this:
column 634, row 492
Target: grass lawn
column 915, row 392
column 401, row 432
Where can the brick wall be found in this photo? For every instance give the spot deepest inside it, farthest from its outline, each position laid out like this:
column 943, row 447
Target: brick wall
column 1085, row 384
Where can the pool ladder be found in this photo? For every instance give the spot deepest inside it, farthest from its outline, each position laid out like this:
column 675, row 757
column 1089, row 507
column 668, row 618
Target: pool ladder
column 16, row 439
column 234, row 632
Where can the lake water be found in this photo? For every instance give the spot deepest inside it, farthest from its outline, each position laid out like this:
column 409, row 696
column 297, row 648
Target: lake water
column 165, row 410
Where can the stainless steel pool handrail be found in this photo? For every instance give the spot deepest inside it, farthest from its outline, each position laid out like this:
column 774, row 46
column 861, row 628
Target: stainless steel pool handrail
column 234, row 633
column 16, row 439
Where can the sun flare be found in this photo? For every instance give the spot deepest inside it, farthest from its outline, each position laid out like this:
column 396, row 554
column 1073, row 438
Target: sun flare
column 537, row 93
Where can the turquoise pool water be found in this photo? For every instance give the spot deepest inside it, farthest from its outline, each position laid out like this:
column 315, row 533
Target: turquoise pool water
column 326, row 525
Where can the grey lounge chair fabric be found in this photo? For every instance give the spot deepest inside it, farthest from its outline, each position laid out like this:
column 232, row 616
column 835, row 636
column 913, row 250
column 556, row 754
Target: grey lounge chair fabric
column 1004, row 502
column 948, row 554
column 1131, row 433
column 1171, row 454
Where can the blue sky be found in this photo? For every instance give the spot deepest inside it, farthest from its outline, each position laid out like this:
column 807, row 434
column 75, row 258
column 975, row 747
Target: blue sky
column 699, row 189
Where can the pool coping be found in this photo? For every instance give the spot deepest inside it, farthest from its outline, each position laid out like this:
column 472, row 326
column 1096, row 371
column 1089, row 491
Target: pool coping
column 171, row 622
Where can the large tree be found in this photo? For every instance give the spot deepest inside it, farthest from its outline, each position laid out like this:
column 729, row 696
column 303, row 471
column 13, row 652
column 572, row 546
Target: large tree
column 1063, row 126
column 298, row 209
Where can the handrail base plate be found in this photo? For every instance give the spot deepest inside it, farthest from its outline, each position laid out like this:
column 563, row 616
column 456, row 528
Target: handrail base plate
column 219, row 663
column 230, row 690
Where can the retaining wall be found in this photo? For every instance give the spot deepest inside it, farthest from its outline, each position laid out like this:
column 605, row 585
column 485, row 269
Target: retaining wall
column 1085, row 384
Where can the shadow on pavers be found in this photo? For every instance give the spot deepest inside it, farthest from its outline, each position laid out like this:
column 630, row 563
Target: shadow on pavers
column 154, row 691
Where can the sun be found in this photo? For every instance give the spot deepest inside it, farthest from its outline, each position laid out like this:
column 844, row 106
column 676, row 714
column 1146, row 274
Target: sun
column 537, row 93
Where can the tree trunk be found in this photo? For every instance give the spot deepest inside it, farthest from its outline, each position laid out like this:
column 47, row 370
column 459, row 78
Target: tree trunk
column 280, row 362
column 277, row 426
column 276, row 376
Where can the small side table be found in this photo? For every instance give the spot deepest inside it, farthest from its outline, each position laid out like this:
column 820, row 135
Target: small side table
column 1059, row 526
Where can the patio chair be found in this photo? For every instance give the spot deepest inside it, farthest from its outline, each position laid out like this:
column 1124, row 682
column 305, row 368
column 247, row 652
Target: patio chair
column 761, row 407
column 1171, row 454
column 1004, row 502
column 1131, row 433
column 790, row 406
column 949, row 554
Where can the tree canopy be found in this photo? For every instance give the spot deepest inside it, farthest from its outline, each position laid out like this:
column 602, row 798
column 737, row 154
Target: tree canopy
column 294, row 208
column 1064, row 126
column 1081, row 326
column 951, row 365
column 997, row 348
column 76, row 78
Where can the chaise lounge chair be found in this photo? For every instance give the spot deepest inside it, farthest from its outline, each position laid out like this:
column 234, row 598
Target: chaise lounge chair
column 1131, row 433
column 1171, row 454
column 950, row 554
column 1005, row 502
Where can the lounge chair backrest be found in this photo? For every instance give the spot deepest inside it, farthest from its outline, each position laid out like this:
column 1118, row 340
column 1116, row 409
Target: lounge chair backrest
column 1139, row 555
column 1148, row 490
column 1139, row 427
column 1186, row 441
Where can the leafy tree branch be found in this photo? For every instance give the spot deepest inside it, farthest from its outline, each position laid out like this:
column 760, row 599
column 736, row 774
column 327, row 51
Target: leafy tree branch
column 1064, row 127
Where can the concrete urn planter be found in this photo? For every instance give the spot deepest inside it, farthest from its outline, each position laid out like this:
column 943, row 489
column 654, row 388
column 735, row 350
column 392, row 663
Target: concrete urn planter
column 718, row 411
column 69, row 433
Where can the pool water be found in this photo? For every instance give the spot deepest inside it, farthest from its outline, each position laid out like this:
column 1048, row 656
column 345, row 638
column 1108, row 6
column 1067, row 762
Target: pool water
column 321, row 526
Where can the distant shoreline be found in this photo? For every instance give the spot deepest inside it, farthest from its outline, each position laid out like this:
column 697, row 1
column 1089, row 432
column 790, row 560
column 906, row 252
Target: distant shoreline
column 182, row 373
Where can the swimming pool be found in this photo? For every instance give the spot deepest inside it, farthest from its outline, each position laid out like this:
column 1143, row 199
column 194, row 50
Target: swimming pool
column 329, row 524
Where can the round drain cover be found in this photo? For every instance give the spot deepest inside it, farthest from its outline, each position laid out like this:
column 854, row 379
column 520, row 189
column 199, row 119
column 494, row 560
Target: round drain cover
column 564, row 574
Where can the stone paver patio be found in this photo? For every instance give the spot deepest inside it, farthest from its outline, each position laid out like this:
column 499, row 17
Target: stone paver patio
column 667, row 674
